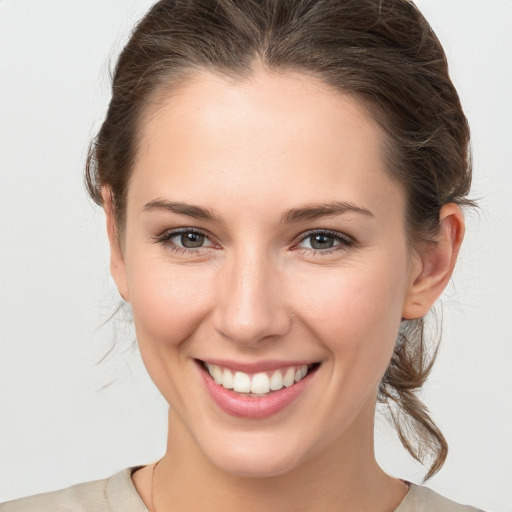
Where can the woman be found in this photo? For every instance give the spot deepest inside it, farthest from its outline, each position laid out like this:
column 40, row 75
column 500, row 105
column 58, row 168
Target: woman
column 282, row 182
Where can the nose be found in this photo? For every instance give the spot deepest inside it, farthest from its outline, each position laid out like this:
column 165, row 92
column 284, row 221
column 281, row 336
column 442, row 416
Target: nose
column 251, row 304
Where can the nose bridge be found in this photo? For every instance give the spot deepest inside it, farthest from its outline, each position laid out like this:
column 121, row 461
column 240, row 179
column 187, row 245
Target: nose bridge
column 250, row 306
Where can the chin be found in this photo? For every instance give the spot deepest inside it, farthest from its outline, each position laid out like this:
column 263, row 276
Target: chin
column 254, row 458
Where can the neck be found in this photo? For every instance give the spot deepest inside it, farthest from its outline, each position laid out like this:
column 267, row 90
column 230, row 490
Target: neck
column 343, row 477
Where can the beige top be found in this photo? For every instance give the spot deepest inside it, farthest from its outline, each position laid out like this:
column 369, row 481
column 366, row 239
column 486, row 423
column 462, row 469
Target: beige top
column 118, row 494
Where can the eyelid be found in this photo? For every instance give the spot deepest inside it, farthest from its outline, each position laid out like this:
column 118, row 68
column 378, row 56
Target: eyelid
column 169, row 233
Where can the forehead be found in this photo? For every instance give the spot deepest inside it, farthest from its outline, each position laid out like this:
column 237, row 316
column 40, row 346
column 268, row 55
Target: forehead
column 255, row 136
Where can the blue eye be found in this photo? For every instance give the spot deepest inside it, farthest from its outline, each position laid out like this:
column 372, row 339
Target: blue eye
column 324, row 241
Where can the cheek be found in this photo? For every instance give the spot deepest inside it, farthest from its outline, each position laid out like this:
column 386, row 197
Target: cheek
column 354, row 310
column 168, row 301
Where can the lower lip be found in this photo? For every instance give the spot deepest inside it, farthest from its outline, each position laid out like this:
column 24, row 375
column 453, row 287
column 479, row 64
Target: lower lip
column 253, row 407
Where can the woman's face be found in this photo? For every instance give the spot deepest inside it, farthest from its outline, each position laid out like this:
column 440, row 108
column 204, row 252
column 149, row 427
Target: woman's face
column 264, row 239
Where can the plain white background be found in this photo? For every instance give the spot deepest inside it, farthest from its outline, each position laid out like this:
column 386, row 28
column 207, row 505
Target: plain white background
column 59, row 421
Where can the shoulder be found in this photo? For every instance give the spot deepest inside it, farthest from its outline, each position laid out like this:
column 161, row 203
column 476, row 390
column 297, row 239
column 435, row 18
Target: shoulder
column 114, row 494
column 423, row 499
column 78, row 498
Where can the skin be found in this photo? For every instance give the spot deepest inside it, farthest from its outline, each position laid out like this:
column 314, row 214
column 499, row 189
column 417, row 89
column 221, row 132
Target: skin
column 258, row 290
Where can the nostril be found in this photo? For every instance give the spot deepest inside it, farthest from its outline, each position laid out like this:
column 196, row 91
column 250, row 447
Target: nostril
column 253, row 327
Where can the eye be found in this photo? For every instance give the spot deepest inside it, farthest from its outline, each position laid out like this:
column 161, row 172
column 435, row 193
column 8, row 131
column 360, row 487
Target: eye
column 185, row 239
column 324, row 241
column 190, row 240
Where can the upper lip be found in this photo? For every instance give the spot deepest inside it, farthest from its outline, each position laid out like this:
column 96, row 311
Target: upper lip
column 256, row 366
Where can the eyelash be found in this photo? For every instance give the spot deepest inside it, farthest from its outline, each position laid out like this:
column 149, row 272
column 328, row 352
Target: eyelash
column 344, row 242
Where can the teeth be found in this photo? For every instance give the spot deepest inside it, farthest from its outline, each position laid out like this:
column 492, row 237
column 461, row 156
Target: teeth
column 227, row 379
column 259, row 383
column 276, row 381
column 242, row 382
column 217, row 375
column 289, row 378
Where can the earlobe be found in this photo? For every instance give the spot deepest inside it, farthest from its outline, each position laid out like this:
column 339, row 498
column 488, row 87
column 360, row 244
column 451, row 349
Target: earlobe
column 117, row 262
column 436, row 263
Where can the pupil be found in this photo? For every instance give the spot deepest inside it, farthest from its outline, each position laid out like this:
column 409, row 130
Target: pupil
column 322, row 242
column 192, row 240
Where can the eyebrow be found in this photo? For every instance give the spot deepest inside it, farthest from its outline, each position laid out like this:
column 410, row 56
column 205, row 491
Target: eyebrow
column 182, row 209
column 309, row 212
column 315, row 211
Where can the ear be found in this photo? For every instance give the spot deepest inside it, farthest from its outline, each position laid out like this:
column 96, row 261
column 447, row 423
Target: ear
column 436, row 262
column 117, row 262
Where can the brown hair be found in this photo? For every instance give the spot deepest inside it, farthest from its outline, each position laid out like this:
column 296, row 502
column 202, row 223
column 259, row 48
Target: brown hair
column 382, row 52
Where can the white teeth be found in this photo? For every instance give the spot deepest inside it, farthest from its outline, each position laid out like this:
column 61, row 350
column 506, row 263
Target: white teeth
column 242, row 382
column 227, row 379
column 276, row 381
column 217, row 374
column 259, row 383
column 289, row 378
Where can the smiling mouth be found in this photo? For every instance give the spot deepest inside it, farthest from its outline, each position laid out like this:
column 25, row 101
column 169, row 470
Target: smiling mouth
column 258, row 384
